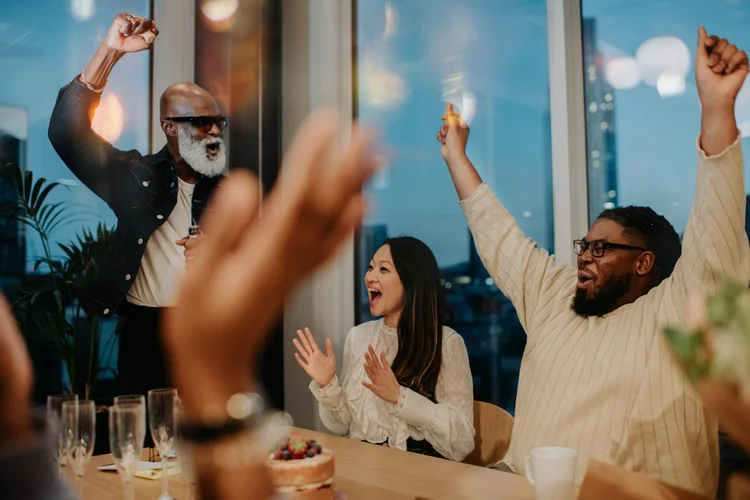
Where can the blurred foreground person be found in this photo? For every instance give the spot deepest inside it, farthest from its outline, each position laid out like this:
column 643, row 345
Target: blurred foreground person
column 227, row 302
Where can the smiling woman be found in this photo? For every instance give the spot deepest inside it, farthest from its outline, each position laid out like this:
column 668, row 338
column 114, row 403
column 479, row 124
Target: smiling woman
column 405, row 380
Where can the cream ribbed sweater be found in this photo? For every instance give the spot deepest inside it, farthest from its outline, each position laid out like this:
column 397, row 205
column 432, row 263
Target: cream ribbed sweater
column 607, row 386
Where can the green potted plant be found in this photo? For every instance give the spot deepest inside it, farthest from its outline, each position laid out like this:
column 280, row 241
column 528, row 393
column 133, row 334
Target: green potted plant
column 48, row 301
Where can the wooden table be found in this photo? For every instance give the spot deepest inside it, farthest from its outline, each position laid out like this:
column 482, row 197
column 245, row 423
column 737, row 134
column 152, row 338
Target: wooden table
column 363, row 472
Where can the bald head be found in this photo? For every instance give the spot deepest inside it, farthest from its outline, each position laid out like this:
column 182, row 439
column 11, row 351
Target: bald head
column 187, row 99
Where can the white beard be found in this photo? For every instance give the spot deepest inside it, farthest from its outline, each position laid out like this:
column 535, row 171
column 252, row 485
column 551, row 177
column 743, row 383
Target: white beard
column 195, row 153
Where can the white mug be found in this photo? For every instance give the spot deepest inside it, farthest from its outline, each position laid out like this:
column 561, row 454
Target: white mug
column 552, row 471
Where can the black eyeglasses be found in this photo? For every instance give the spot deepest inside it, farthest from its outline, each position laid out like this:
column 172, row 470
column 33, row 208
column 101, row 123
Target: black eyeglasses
column 203, row 123
column 598, row 247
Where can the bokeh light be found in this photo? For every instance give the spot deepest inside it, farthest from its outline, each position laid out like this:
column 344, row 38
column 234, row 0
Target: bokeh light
column 622, row 73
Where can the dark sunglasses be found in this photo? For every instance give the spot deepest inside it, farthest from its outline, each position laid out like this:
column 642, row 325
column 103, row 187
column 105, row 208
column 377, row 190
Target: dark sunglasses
column 598, row 247
column 203, row 123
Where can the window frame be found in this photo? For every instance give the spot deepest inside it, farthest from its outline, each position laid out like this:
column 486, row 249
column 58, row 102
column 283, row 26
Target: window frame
column 315, row 29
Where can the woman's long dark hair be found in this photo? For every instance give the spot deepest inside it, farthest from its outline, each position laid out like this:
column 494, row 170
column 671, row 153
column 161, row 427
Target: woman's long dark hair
column 420, row 328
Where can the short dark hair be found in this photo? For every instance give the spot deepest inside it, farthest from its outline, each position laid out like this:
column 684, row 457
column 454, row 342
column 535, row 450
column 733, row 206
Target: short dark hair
column 655, row 232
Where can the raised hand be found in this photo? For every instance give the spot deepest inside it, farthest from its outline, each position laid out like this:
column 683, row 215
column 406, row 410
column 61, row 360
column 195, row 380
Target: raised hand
column 720, row 69
column 453, row 136
column 383, row 382
column 321, row 367
column 238, row 281
column 130, row 33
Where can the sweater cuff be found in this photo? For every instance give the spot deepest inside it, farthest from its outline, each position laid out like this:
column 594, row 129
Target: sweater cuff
column 414, row 409
column 718, row 156
column 328, row 395
column 478, row 193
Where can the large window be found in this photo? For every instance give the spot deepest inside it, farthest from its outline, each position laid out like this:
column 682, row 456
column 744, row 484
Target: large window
column 642, row 107
column 44, row 44
column 411, row 59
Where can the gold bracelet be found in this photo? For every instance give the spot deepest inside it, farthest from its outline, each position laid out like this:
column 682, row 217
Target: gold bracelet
column 88, row 85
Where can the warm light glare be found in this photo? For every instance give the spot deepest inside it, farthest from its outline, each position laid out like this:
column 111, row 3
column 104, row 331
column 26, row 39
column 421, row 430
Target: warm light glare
column 670, row 85
column 82, row 10
column 391, row 19
column 219, row 10
column 661, row 56
column 622, row 73
column 109, row 118
column 469, row 107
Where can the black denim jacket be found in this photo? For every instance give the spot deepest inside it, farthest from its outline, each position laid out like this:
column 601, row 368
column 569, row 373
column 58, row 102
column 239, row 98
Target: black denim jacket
column 140, row 190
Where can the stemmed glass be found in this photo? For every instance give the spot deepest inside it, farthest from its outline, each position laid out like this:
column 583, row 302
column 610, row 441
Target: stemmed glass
column 138, row 400
column 182, row 453
column 126, row 442
column 161, row 404
column 79, row 434
column 54, row 417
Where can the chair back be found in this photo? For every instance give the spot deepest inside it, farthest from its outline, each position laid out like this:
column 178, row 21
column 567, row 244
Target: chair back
column 493, row 427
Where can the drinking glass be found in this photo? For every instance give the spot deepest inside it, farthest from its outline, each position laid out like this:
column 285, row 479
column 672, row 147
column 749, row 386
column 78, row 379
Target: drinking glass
column 138, row 400
column 125, row 423
column 79, row 433
column 54, row 414
column 161, row 404
column 182, row 452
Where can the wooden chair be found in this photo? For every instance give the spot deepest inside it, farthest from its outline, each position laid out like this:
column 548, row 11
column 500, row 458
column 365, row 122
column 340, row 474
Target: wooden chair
column 493, row 427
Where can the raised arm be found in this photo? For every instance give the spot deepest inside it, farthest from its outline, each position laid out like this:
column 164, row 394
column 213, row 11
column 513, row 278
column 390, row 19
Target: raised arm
column 97, row 164
column 715, row 246
column 527, row 275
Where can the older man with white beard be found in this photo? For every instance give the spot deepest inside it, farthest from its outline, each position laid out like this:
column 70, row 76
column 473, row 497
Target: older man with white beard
column 158, row 199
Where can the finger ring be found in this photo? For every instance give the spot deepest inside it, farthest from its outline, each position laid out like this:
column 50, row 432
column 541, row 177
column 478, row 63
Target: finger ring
column 129, row 17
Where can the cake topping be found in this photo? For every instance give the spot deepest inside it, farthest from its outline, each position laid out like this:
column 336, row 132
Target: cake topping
column 297, row 448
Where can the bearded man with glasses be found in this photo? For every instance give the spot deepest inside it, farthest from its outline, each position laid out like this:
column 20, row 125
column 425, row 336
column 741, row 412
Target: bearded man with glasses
column 159, row 200
column 596, row 375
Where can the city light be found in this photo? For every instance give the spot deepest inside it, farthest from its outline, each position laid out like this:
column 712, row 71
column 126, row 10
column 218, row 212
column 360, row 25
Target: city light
column 219, row 10
column 109, row 119
column 82, row 10
column 391, row 21
column 622, row 73
column 670, row 85
column 664, row 55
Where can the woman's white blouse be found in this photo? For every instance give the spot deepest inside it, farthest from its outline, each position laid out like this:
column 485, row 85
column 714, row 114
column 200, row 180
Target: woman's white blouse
column 347, row 407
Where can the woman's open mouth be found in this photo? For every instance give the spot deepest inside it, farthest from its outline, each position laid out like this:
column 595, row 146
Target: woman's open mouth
column 374, row 295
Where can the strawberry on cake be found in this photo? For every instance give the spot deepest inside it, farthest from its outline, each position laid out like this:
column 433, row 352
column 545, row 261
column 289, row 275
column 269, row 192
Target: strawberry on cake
column 302, row 469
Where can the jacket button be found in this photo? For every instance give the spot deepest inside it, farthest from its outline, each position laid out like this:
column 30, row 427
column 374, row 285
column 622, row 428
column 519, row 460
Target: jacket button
column 106, row 311
column 160, row 216
column 145, row 183
column 140, row 241
column 171, row 185
column 127, row 277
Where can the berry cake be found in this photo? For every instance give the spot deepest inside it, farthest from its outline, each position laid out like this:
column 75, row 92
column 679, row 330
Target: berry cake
column 302, row 469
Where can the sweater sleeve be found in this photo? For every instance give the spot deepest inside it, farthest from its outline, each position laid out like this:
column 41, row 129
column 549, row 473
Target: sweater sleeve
column 715, row 245
column 334, row 410
column 526, row 274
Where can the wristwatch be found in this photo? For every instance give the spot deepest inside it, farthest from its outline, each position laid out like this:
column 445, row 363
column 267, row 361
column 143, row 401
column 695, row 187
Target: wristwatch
column 244, row 413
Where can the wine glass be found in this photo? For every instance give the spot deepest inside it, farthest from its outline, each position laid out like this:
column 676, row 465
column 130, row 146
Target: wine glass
column 161, row 421
column 183, row 456
column 125, row 423
column 54, row 417
column 138, row 400
column 79, row 433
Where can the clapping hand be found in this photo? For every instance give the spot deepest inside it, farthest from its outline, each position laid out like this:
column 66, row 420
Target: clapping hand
column 321, row 367
column 383, row 382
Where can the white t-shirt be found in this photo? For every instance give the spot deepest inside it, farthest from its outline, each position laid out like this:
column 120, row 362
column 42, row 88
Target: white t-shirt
column 163, row 262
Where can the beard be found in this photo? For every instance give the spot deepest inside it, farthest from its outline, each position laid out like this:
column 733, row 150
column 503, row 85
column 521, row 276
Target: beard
column 603, row 297
column 195, row 152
